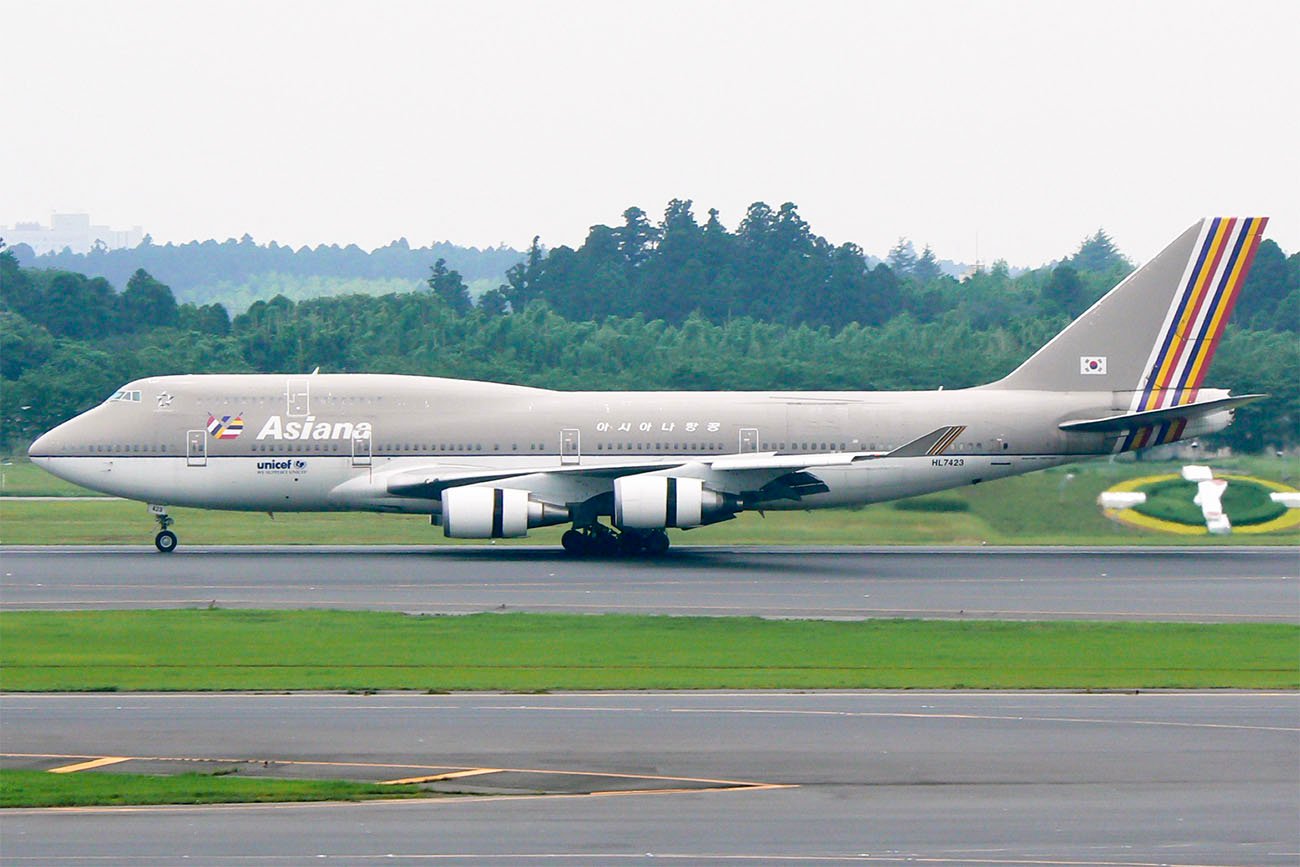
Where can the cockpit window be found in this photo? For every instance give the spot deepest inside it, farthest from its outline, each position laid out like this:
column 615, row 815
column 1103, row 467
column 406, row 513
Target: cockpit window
column 132, row 396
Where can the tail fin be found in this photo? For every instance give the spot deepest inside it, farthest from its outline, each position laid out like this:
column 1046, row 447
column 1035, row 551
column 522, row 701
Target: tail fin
column 1155, row 332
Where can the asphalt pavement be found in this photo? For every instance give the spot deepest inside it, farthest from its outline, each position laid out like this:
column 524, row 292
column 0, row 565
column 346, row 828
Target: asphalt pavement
column 1202, row 584
column 752, row 777
column 949, row 778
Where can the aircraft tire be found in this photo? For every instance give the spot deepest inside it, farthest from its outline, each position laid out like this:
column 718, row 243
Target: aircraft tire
column 631, row 543
column 165, row 541
column 574, row 542
column 656, row 544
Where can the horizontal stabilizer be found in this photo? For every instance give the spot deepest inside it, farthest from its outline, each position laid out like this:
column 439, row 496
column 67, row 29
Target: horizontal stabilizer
column 936, row 442
column 1131, row 420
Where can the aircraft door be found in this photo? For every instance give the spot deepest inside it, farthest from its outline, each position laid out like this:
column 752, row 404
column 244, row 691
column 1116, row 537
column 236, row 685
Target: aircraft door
column 361, row 450
column 748, row 440
column 196, row 448
column 299, row 398
column 570, row 445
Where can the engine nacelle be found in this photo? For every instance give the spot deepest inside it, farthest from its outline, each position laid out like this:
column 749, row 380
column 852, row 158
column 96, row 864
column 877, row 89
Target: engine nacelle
column 656, row 502
column 494, row 513
column 1207, row 424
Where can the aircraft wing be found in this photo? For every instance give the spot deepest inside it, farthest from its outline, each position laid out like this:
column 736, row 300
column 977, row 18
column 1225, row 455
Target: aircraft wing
column 759, row 475
column 429, row 483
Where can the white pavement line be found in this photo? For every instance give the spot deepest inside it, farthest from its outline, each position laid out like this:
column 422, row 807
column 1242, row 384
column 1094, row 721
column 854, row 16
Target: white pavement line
column 990, row 717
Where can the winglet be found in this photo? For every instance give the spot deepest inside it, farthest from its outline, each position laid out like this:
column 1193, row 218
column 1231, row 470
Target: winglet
column 933, row 443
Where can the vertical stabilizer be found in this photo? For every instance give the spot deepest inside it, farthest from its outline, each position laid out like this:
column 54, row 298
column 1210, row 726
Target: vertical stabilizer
column 1155, row 333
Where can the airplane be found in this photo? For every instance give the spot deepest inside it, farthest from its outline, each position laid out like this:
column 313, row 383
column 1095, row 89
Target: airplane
column 489, row 460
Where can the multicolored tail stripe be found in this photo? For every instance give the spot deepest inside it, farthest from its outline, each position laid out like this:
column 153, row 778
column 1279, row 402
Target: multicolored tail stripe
column 1195, row 322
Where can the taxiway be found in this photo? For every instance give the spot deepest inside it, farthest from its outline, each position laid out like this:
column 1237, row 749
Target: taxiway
column 948, row 778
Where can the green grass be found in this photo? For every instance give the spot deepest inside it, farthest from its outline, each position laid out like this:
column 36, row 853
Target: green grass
column 43, row 789
column 1244, row 502
column 1052, row 507
column 21, row 478
column 342, row 650
column 932, row 503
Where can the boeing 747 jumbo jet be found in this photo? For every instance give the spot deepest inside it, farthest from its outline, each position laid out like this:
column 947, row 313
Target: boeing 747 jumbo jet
column 489, row 461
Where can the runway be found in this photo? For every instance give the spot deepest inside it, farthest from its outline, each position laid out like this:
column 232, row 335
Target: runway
column 994, row 778
column 1200, row 584
column 940, row 778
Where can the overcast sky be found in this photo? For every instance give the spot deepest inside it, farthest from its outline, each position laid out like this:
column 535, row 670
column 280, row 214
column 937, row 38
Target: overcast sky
column 1021, row 127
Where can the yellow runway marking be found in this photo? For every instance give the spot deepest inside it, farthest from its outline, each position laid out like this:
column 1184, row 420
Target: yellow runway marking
column 453, row 775
column 710, row 785
column 93, row 763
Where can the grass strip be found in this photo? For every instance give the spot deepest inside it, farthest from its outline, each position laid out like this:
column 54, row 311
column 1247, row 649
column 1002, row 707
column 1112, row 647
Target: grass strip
column 43, row 789
column 361, row 650
column 1053, row 507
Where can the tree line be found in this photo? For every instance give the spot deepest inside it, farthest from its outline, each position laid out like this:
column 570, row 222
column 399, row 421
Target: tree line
column 67, row 340
column 204, row 271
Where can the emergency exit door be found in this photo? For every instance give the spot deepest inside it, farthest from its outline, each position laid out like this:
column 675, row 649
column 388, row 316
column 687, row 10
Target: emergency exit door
column 299, row 398
column 361, row 450
column 748, row 440
column 570, row 445
column 196, row 448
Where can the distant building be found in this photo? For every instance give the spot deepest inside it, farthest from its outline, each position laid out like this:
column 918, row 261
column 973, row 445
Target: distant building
column 73, row 231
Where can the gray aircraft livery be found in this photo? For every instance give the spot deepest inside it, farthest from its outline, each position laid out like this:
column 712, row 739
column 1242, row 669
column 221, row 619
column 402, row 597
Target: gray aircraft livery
column 487, row 460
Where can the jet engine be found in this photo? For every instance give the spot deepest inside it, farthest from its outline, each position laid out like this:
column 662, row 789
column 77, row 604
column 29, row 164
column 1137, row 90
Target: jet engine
column 656, row 502
column 495, row 513
column 1208, row 424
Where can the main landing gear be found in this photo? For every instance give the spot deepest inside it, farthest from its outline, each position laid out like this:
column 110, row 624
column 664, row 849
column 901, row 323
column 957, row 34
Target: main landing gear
column 165, row 541
column 601, row 541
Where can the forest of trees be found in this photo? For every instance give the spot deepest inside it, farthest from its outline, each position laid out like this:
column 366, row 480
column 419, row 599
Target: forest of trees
column 673, row 304
column 207, row 271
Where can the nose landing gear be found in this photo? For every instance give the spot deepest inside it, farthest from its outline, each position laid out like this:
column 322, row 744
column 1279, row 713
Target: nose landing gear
column 166, row 540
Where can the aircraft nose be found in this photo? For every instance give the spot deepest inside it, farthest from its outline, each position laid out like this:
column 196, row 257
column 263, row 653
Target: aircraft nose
column 50, row 444
column 42, row 446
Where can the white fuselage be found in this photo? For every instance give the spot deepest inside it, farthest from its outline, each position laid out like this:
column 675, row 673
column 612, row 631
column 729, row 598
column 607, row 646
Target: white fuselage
column 337, row 442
